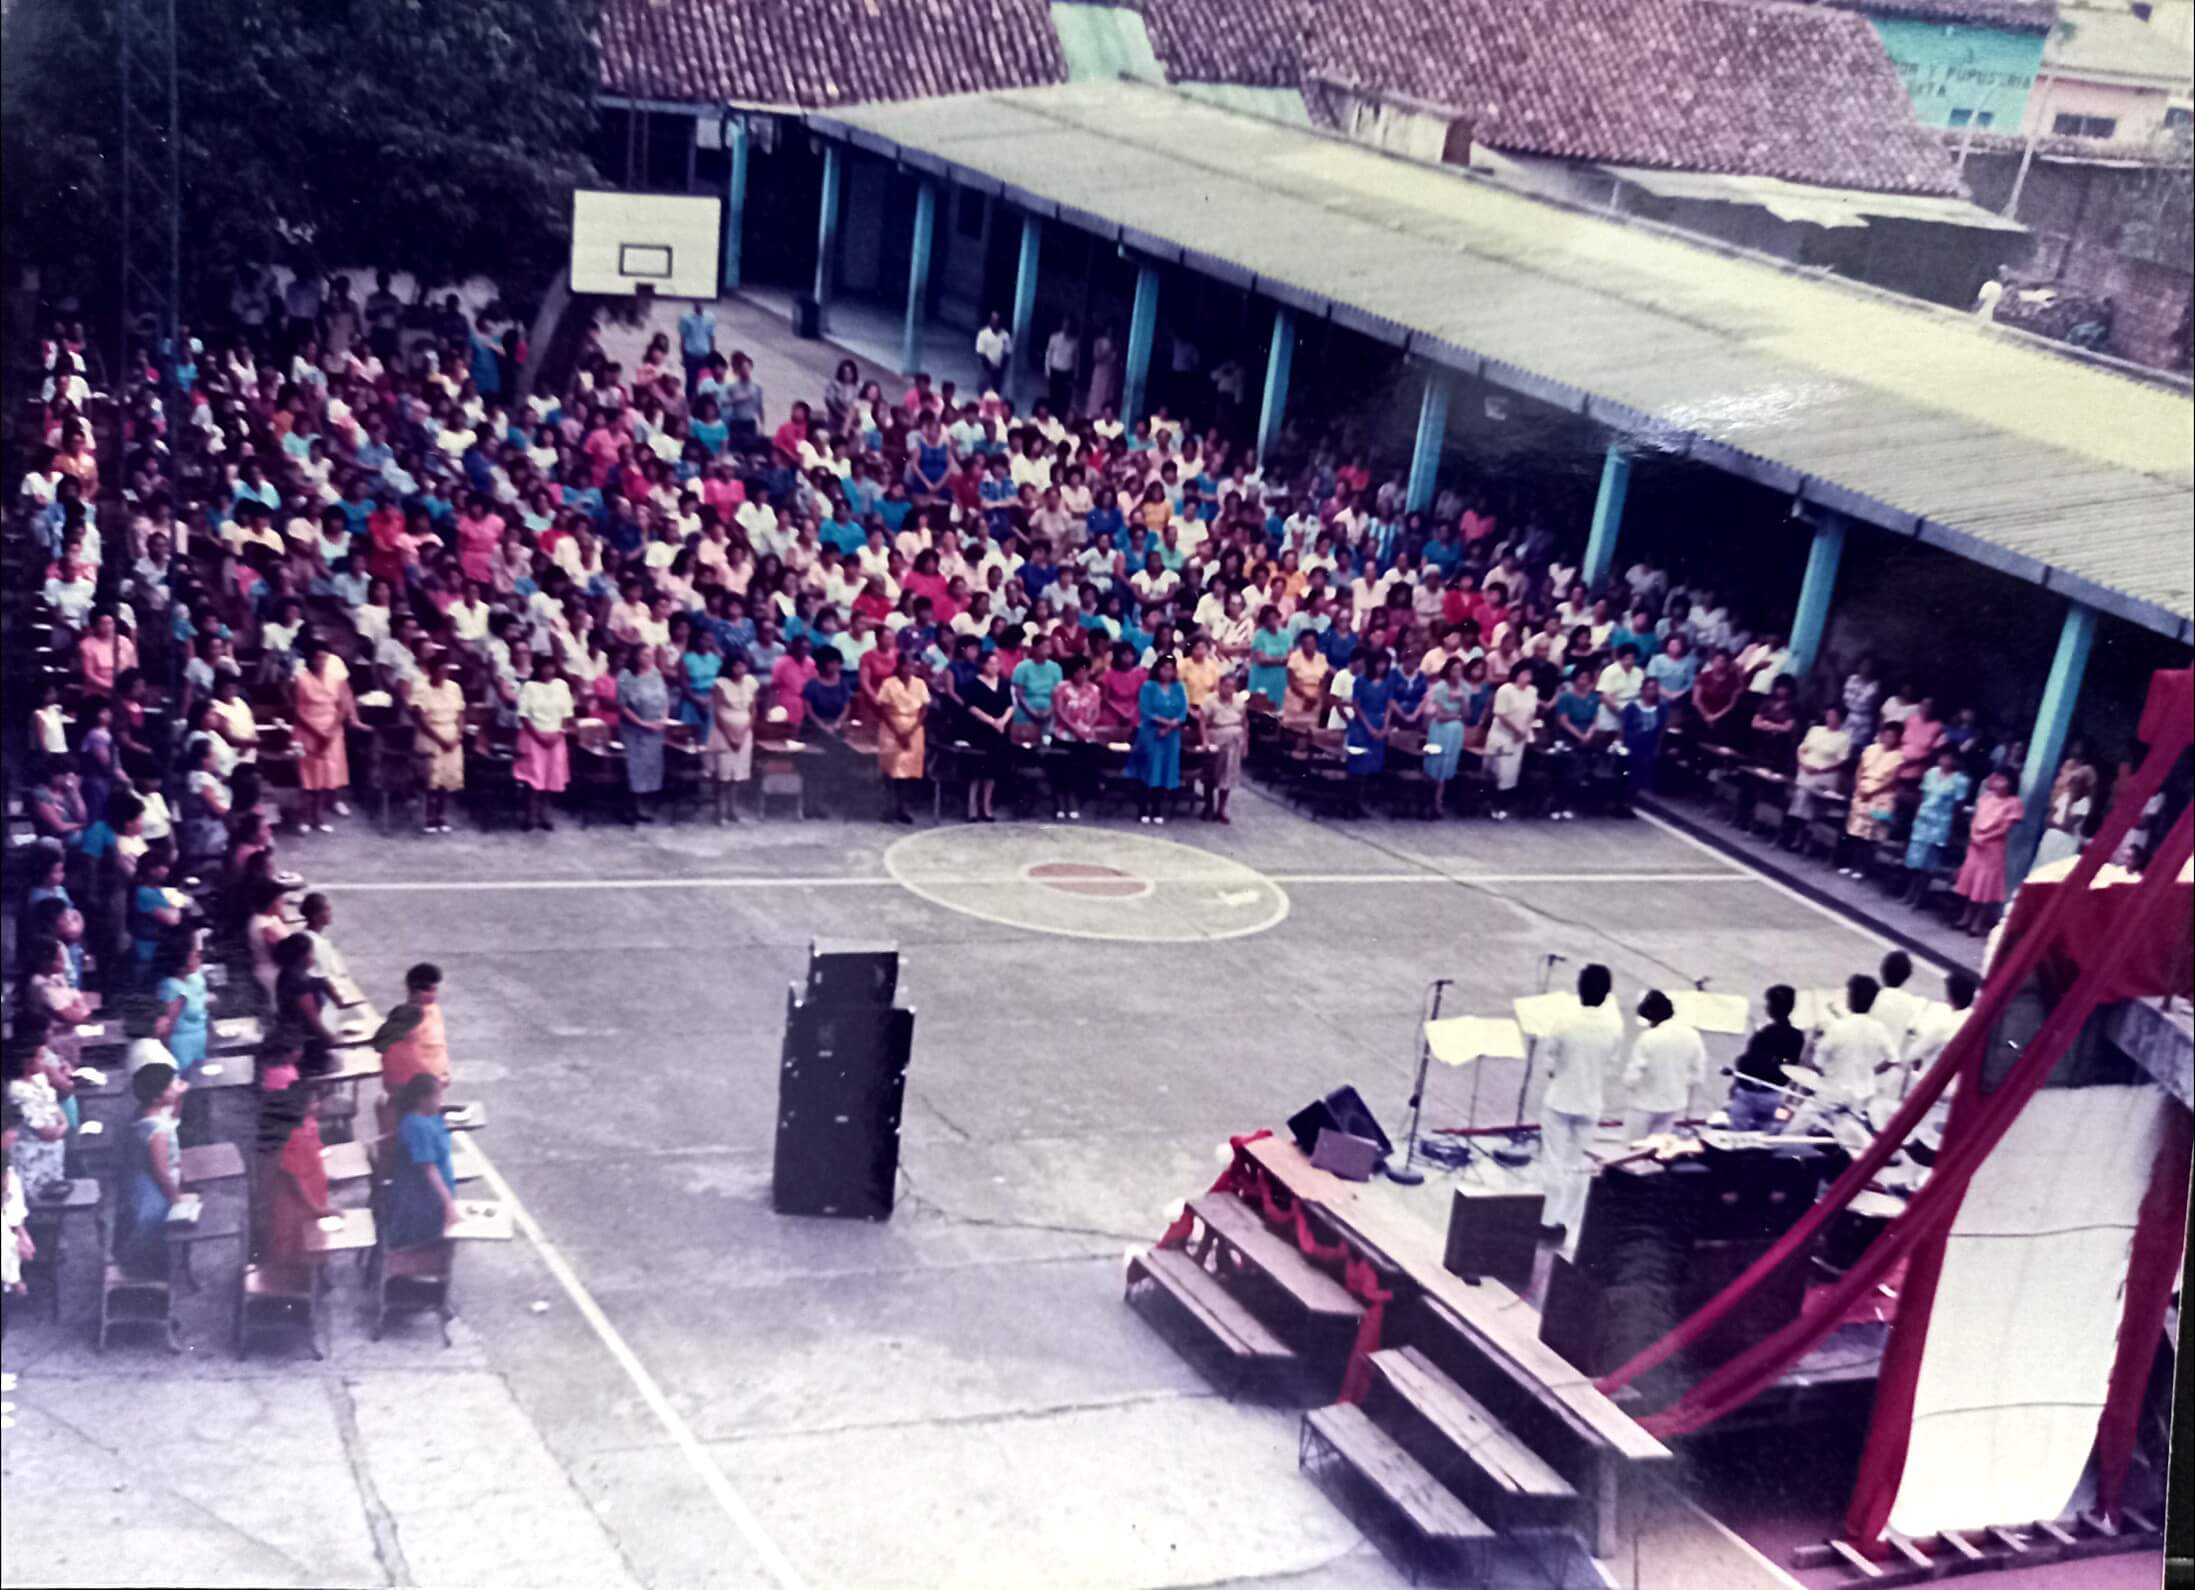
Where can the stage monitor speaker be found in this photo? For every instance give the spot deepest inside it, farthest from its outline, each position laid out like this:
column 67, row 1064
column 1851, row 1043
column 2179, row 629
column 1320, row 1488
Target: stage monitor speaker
column 841, row 1087
column 1350, row 1158
column 1494, row 1233
column 851, row 974
column 1342, row 1110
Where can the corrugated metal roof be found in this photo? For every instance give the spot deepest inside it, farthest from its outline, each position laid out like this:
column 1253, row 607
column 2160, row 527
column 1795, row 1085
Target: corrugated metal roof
column 1915, row 418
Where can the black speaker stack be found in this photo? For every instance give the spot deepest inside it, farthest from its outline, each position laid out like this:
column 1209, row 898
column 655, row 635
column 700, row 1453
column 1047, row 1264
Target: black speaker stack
column 841, row 1083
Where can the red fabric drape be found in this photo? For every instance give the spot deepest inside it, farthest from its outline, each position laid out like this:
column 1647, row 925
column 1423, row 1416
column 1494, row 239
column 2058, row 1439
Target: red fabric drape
column 2160, row 1240
column 2168, row 735
column 1745, row 1376
column 2149, row 908
column 1246, row 1179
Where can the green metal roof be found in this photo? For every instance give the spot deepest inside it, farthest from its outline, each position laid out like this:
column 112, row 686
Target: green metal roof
column 1916, row 418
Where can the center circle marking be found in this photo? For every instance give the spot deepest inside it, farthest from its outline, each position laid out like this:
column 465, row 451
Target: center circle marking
column 1090, row 879
column 1089, row 883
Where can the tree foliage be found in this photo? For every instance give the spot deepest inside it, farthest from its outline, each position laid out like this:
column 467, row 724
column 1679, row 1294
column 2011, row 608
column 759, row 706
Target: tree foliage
column 441, row 137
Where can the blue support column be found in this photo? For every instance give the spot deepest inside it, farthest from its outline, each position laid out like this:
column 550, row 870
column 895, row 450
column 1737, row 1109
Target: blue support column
column 1025, row 305
column 1280, row 360
column 735, row 196
column 1812, row 621
column 1600, row 547
column 2046, row 745
column 827, row 233
column 918, row 278
column 1432, row 436
column 1142, row 328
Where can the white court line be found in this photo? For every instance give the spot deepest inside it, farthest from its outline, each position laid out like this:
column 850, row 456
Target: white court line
column 1003, row 880
column 774, row 1562
column 1851, row 924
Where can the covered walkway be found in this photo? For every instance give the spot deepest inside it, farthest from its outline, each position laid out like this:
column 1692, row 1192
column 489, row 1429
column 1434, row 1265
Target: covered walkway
column 1939, row 430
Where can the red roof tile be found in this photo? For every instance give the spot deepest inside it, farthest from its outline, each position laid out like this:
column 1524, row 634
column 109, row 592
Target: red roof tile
column 1798, row 92
column 1257, row 42
column 813, row 54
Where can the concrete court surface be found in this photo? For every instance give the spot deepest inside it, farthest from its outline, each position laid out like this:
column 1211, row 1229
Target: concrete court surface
column 665, row 1384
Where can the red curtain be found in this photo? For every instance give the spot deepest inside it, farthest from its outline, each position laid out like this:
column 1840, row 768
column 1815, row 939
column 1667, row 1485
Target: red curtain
column 2166, row 727
column 1929, row 1214
column 2160, row 1242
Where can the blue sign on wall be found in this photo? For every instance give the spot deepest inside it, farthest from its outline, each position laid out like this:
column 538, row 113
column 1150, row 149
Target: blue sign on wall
column 1962, row 76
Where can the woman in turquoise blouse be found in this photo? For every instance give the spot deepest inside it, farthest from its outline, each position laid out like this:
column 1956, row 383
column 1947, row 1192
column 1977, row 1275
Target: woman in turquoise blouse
column 700, row 663
column 1269, row 647
column 180, row 996
column 152, row 1177
column 1154, row 761
column 1943, row 791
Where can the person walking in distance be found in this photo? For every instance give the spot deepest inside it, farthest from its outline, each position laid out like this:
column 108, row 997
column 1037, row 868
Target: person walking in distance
column 994, row 346
column 1581, row 1052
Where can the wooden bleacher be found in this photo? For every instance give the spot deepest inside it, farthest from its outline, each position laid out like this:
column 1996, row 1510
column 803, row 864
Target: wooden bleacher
column 1470, row 1427
column 1243, row 1347
column 1438, row 1526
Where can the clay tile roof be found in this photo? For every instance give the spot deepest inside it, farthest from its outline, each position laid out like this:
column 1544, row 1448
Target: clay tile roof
column 1804, row 93
column 1256, row 42
column 814, row 54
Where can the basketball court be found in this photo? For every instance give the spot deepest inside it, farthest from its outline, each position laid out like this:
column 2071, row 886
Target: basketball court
column 661, row 1382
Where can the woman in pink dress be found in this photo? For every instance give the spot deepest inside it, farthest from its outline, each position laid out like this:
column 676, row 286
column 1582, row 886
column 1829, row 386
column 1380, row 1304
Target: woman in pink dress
column 322, row 707
column 1981, row 882
column 479, row 538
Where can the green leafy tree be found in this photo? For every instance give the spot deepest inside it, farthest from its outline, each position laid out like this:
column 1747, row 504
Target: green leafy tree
column 442, row 137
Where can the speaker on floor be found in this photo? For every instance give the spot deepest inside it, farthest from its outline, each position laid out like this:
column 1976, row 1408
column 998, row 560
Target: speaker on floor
column 842, row 1081
column 1342, row 1110
column 841, row 973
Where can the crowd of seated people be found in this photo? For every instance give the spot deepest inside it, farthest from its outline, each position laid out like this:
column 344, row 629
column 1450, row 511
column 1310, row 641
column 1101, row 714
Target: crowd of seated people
column 390, row 571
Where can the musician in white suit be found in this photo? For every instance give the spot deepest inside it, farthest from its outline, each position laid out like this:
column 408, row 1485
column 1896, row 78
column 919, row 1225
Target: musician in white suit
column 1668, row 1061
column 1581, row 1053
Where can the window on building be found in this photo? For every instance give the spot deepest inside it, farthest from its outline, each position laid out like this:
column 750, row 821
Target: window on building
column 1985, row 118
column 2178, row 118
column 2071, row 126
column 1962, row 116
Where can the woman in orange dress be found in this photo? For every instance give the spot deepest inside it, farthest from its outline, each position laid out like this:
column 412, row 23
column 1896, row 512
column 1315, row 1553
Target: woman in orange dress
column 321, row 706
column 901, row 701
column 295, row 1179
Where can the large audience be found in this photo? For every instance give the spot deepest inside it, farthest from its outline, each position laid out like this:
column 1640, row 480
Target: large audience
column 352, row 550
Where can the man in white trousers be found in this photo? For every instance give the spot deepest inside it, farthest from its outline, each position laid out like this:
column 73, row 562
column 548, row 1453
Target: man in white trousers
column 1581, row 1052
column 1668, row 1061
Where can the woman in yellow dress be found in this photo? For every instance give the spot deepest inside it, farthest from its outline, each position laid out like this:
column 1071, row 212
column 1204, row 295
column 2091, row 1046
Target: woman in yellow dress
column 901, row 702
column 438, row 715
column 1200, row 672
column 1874, row 797
column 1308, row 670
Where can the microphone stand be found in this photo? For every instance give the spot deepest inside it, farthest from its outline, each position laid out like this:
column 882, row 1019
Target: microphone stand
column 1408, row 1174
column 1532, row 1049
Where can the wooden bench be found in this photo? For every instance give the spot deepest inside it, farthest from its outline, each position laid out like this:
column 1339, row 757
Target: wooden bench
column 1245, row 1343
column 1438, row 1523
column 1233, row 1225
column 1463, row 1444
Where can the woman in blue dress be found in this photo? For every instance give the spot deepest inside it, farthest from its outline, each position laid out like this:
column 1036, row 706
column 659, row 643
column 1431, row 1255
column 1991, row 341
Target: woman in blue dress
column 644, row 713
column 423, row 1188
column 1365, row 743
column 152, row 1173
column 1943, row 791
column 701, row 662
column 1154, row 760
column 1269, row 648
column 1444, row 726
column 179, row 994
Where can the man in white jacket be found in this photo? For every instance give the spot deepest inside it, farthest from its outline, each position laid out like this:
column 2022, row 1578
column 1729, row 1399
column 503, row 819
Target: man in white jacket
column 1668, row 1061
column 1581, row 1052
